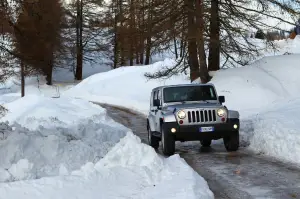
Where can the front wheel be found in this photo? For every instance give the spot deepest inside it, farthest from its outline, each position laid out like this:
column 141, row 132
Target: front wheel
column 168, row 142
column 152, row 140
column 232, row 142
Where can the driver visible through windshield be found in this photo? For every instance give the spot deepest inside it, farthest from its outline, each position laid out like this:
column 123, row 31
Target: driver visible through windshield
column 189, row 93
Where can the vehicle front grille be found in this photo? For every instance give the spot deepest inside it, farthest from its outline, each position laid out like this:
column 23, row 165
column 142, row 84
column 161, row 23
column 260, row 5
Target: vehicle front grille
column 202, row 116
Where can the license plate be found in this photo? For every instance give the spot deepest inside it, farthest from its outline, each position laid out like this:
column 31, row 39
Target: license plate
column 206, row 129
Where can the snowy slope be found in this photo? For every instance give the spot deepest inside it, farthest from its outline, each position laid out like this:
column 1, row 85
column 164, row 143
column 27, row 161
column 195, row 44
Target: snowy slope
column 252, row 90
column 124, row 86
column 260, row 84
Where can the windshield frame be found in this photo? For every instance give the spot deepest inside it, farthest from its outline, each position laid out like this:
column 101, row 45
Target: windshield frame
column 189, row 101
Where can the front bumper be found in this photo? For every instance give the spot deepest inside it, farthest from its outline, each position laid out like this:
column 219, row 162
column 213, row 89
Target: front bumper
column 192, row 132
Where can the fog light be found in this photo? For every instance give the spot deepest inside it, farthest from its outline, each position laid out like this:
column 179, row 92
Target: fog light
column 173, row 130
column 235, row 126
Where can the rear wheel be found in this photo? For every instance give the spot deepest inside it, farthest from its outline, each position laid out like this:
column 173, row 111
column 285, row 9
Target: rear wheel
column 168, row 142
column 232, row 142
column 205, row 142
column 152, row 140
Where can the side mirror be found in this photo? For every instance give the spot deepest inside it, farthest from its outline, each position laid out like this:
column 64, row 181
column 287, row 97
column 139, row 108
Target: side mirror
column 221, row 99
column 156, row 102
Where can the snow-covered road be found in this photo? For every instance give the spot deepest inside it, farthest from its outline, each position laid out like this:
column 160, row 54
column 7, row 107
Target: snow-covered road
column 229, row 175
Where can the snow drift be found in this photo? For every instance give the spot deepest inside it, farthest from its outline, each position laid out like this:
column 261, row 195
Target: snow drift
column 52, row 136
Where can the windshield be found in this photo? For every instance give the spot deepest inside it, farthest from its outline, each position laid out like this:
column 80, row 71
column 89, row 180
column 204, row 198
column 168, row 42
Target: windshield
column 189, row 93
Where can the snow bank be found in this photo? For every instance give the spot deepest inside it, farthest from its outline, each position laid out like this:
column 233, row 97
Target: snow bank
column 33, row 111
column 60, row 135
column 253, row 87
column 275, row 131
column 117, row 175
column 71, row 149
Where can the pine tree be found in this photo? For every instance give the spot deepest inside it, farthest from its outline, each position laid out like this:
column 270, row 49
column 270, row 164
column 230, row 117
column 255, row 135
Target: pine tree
column 38, row 35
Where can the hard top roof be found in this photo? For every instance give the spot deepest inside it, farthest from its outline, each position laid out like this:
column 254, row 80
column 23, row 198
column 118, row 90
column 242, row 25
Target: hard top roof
column 181, row 85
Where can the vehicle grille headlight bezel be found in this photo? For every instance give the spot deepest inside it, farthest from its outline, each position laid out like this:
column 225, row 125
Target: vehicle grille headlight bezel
column 181, row 114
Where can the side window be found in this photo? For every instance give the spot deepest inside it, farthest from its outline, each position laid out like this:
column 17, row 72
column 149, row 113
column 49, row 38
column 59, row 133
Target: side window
column 159, row 95
column 212, row 93
column 154, row 97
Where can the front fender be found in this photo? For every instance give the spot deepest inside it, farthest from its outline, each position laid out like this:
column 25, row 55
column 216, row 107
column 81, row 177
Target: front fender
column 233, row 114
column 169, row 117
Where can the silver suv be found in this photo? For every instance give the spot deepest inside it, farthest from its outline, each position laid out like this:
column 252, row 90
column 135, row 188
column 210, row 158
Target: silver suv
column 190, row 112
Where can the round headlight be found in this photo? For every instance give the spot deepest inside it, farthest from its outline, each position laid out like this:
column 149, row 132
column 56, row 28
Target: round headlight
column 181, row 114
column 221, row 112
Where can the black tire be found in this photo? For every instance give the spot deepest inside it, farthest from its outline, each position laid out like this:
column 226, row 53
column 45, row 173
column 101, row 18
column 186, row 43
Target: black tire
column 152, row 140
column 205, row 142
column 232, row 142
column 168, row 142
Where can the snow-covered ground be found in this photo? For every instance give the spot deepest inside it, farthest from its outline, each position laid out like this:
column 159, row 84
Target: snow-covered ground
column 266, row 93
column 58, row 146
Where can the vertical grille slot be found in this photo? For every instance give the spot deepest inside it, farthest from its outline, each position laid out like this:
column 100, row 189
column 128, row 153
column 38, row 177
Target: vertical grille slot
column 201, row 116
column 214, row 115
column 210, row 115
column 205, row 116
column 193, row 116
column 197, row 116
column 189, row 116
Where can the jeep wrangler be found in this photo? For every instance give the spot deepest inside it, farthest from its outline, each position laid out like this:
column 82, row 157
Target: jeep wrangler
column 190, row 112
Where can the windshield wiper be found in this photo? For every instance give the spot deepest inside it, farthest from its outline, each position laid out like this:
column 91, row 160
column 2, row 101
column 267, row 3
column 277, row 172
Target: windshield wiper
column 186, row 101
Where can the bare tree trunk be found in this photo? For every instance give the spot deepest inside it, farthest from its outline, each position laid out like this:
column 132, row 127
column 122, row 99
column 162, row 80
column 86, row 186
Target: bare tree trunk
column 132, row 32
column 142, row 35
column 121, row 34
column 49, row 73
column 138, row 35
column 149, row 33
column 116, row 46
column 22, row 79
column 204, row 76
column 214, row 43
column 192, row 45
column 79, row 46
